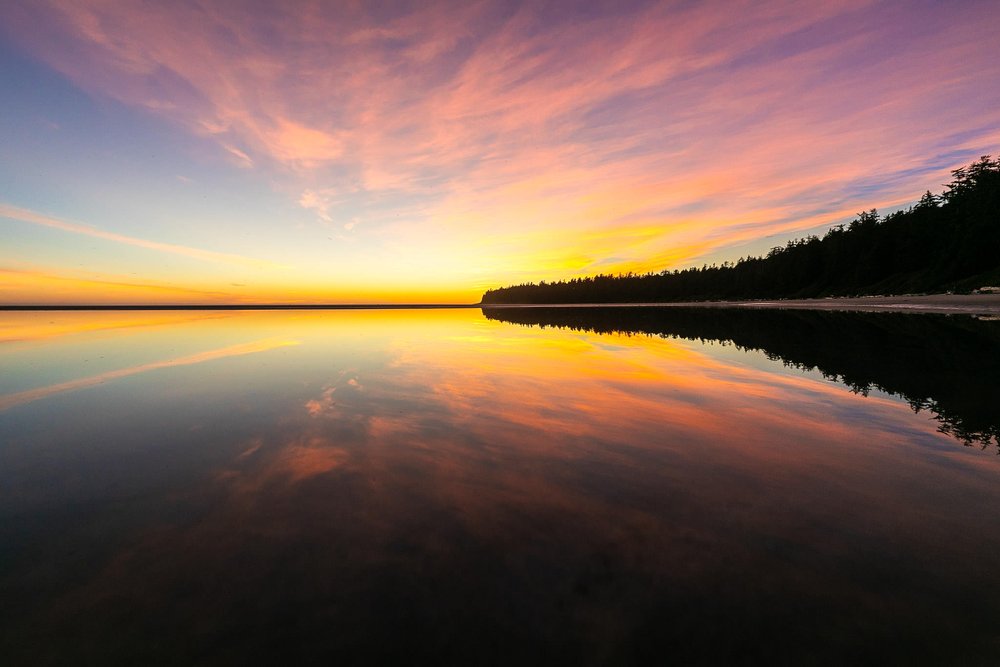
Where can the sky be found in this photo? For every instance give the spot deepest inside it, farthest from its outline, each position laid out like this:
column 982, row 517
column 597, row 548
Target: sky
column 404, row 152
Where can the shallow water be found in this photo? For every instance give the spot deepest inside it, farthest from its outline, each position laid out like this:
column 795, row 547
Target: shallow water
column 469, row 487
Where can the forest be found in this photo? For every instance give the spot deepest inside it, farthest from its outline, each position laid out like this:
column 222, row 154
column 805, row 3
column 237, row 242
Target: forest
column 944, row 243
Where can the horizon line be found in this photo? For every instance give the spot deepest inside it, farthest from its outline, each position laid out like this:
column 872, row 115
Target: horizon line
column 231, row 306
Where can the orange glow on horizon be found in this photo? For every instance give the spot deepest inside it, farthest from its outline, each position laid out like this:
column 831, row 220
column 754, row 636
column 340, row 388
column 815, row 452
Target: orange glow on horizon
column 29, row 287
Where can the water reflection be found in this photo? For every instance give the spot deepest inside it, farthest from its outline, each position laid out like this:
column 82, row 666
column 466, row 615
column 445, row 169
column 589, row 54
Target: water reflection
column 30, row 395
column 441, row 486
column 948, row 365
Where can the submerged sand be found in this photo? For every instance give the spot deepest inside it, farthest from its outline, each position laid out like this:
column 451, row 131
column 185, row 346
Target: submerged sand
column 970, row 304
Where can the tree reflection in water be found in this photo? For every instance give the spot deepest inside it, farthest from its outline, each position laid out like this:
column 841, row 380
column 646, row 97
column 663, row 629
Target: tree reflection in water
column 945, row 364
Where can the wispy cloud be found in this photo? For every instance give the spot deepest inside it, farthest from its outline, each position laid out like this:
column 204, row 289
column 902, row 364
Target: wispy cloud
column 24, row 215
column 242, row 159
column 48, row 286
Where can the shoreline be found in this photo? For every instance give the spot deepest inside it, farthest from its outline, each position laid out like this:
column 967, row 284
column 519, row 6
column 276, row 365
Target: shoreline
column 947, row 304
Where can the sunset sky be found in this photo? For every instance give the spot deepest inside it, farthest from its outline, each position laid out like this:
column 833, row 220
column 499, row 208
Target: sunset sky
column 344, row 152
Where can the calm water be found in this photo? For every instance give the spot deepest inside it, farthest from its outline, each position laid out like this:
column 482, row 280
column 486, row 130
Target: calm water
column 508, row 486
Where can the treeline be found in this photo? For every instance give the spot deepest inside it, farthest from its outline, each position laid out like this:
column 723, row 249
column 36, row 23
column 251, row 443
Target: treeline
column 946, row 242
column 947, row 365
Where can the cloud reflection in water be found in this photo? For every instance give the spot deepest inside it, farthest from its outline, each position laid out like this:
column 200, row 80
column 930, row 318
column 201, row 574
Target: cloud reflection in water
column 436, row 485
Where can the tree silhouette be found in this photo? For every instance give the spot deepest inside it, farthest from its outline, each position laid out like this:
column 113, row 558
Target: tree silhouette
column 947, row 242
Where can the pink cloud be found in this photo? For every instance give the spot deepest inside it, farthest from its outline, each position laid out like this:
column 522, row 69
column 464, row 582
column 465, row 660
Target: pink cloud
column 706, row 126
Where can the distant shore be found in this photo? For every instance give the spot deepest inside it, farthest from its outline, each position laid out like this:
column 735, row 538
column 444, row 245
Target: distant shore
column 965, row 304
